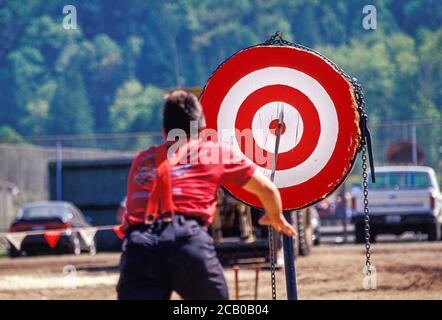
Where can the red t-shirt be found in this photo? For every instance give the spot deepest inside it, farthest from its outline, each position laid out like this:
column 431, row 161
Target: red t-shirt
column 194, row 184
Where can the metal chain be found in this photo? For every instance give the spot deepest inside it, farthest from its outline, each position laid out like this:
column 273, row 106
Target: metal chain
column 272, row 261
column 359, row 94
column 270, row 228
column 366, row 210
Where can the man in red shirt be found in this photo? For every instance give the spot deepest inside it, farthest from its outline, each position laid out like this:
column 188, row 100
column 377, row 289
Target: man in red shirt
column 171, row 199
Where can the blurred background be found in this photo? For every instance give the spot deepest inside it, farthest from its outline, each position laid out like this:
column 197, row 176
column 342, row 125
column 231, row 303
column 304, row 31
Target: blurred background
column 87, row 83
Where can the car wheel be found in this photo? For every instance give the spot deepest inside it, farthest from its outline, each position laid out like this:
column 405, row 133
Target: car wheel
column 359, row 233
column 372, row 236
column 317, row 241
column 304, row 232
column 93, row 248
column 75, row 247
column 433, row 231
column 14, row 253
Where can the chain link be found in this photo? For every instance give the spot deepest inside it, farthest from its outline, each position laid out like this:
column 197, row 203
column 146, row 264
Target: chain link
column 270, row 228
column 366, row 210
column 277, row 39
column 359, row 94
column 272, row 261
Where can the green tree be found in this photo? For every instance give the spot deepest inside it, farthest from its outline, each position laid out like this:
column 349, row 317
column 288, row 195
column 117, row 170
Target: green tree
column 136, row 108
column 70, row 112
column 131, row 52
column 430, row 66
column 20, row 79
column 46, row 35
column 102, row 65
column 36, row 114
column 9, row 135
column 369, row 62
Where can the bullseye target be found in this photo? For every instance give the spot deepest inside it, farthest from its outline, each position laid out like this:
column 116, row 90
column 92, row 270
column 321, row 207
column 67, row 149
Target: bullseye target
column 320, row 133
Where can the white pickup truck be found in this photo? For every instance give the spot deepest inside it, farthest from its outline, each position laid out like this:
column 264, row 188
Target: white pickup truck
column 404, row 198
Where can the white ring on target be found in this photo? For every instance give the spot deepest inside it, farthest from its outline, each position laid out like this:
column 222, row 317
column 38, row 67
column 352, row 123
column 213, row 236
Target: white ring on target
column 261, row 130
column 308, row 86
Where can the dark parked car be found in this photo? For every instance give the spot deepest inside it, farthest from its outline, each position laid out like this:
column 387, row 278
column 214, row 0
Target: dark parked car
column 47, row 215
column 316, row 226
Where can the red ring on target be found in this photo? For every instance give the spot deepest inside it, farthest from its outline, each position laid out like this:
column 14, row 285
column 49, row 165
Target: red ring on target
column 230, row 85
column 294, row 99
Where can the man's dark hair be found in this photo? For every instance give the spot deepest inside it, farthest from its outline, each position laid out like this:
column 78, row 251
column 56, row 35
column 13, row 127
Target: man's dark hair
column 180, row 108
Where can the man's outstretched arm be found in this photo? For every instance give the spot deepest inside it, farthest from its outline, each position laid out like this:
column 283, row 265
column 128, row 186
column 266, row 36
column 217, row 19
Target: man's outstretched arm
column 269, row 196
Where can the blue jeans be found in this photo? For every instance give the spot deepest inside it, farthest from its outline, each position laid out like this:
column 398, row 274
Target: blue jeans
column 170, row 256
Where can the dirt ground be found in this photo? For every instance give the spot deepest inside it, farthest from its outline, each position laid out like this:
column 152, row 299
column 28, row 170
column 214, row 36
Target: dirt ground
column 411, row 270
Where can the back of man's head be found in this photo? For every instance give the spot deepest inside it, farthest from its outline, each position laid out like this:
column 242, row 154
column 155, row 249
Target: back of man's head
column 180, row 108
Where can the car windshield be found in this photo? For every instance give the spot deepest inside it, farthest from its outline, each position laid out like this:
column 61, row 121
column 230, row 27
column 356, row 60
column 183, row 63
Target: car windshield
column 45, row 212
column 401, row 180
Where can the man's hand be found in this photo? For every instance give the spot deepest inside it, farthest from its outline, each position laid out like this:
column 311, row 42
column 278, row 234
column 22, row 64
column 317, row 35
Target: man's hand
column 269, row 195
column 279, row 223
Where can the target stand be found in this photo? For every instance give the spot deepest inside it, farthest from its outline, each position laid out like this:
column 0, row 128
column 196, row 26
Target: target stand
column 305, row 117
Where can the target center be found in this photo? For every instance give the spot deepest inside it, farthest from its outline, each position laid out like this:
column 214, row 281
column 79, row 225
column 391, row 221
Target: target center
column 265, row 124
column 273, row 126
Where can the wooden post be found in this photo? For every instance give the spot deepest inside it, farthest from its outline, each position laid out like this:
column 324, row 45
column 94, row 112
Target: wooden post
column 257, row 268
column 236, row 270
